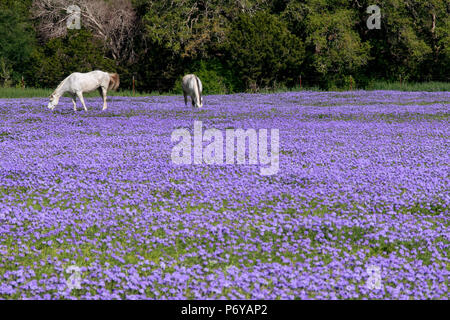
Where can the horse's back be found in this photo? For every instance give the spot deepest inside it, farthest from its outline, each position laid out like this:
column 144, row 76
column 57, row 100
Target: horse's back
column 188, row 82
column 88, row 81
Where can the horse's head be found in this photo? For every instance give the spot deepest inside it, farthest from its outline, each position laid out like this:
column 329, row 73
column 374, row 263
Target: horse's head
column 54, row 100
column 199, row 104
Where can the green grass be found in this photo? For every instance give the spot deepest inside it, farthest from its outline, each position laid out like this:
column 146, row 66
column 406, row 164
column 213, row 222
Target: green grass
column 24, row 93
column 7, row 93
column 375, row 85
column 431, row 86
column 409, row 86
column 15, row 93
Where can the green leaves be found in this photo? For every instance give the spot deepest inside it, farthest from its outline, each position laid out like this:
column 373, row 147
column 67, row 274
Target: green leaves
column 261, row 51
column 77, row 52
column 338, row 49
column 244, row 45
column 16, row 42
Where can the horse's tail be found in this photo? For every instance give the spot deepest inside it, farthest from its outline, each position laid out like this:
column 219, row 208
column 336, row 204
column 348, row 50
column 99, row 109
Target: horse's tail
column 114, row 81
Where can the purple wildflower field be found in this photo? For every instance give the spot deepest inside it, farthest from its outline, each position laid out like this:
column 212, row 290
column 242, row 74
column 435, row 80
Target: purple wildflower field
column 363, row 182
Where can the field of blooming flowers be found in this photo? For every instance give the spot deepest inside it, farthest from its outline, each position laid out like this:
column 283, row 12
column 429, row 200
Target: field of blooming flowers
column 363, row 184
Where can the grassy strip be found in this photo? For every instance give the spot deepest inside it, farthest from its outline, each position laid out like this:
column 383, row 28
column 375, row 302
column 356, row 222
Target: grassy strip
column 376, row 85
column 409, row 86
column 13, row 93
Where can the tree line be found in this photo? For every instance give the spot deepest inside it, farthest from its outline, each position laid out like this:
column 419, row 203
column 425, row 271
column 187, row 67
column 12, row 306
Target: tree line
column 232, row 45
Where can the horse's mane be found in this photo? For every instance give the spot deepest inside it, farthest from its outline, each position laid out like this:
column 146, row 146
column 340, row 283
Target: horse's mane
column 60, row 85
column 198, row 89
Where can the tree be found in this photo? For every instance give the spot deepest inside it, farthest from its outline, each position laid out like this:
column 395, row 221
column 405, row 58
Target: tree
column 407, row 45
column 335, row 48
column 16, row 41
column 78, row 51
column 112, row 22
column 191, row 28
column 262, row 52
column 443, row 49
column 182, row 34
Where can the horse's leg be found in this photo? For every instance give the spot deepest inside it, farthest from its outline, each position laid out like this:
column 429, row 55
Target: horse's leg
column 80, row 96
column 193, row 103
column 100, row 90
column 74, row 101
column 185, row 98
column 103, row 93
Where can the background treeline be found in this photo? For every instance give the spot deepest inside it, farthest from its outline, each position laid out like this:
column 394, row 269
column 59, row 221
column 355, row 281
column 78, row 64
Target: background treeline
column 232, row 45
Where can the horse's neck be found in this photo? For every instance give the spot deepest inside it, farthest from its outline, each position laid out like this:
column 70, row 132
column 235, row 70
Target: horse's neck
column 61, row 89
column 59, row 92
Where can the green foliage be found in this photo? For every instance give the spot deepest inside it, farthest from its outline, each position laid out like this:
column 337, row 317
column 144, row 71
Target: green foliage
column 5, row 73
column 187, row 28
column 443, row 44
column 337, row 48
column 16, row 42
column 77, row 52
column 216, row 79
column 157, row 70
column 249, row 45
column 349, row 83
column 262, row 52
column 407, row 46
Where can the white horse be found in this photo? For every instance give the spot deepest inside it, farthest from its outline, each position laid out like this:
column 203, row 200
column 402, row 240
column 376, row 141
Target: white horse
column 192, row 86
column 77, row 83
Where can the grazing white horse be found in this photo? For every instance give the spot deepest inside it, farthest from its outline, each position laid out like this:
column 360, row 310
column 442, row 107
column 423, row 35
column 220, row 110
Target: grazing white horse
column 192, row 86
column 77, row 83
